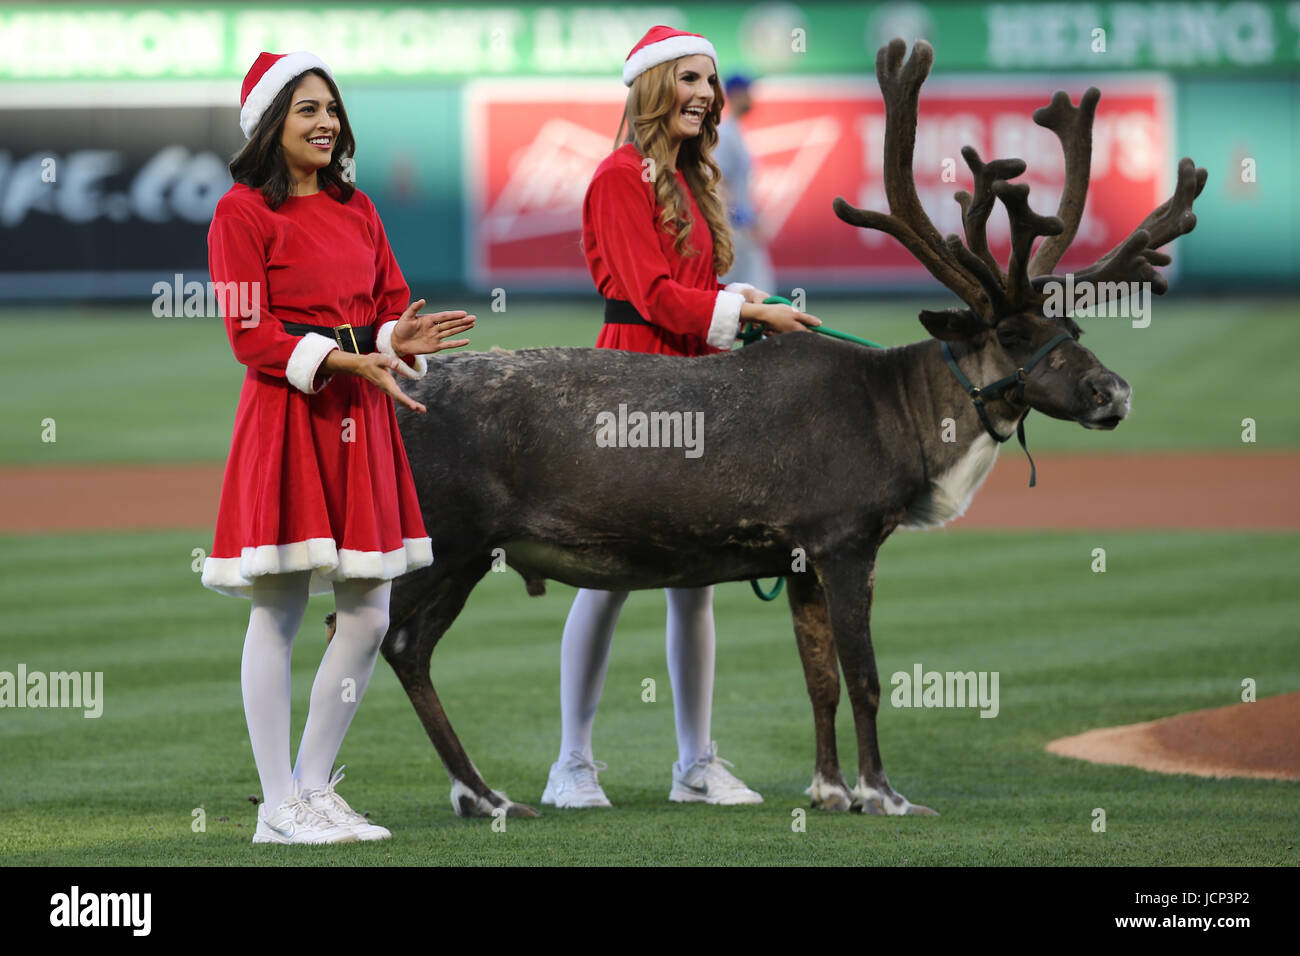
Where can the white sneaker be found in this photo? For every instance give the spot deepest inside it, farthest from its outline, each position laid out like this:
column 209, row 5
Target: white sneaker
column 707, row 781
column 573, row 784
column 335, row 809
column 295, row 822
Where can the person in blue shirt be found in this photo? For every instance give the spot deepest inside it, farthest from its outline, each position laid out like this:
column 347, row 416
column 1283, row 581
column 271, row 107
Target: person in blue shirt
column 737, row 164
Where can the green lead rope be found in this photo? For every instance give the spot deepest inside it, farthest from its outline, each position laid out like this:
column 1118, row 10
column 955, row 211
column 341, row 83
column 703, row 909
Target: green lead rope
column 754, row 333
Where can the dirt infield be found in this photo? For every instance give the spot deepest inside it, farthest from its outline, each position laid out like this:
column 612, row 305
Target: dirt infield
column 109, row 498
column 1251, row 490
column 1261, row 739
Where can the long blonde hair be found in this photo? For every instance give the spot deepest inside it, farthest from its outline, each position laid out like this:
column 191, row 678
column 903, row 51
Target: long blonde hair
column 651, row 104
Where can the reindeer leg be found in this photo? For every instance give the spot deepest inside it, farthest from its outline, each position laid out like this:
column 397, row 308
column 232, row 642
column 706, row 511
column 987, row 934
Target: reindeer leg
column 425, row 605
column 812, row 631
column 849, row 583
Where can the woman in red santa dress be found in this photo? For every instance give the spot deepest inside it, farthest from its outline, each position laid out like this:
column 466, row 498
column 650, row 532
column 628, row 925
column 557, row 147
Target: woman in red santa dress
column 654, row 232
column 318, row 494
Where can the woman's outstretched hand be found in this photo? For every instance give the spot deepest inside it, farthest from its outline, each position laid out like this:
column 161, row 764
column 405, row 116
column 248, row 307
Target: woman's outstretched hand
column 777, row 318
column 374, row 367
column 425, row 334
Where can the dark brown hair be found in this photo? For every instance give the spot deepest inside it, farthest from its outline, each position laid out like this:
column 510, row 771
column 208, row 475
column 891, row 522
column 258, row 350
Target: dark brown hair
column 261, row 163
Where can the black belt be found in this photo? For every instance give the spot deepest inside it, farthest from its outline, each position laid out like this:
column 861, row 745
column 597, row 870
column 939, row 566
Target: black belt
column 618, row 312
column 358, row 339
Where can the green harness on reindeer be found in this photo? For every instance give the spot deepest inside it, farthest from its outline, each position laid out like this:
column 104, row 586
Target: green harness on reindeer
column 754, row 333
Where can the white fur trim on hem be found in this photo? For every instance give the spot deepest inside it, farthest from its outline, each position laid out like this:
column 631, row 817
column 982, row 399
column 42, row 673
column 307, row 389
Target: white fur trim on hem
column 669, row 48
column 305, row 360
column 273, row 80
column 726, row 319
column 327, row 563
column 384, row 343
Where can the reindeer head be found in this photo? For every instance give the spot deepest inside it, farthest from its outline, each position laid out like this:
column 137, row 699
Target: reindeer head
column 1004, row 317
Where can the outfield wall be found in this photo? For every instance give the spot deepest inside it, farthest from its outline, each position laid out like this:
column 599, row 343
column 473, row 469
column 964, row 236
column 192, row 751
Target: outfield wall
column 478, row 126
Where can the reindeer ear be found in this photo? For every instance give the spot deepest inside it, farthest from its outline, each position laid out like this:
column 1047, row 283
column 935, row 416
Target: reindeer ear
column 953, row 325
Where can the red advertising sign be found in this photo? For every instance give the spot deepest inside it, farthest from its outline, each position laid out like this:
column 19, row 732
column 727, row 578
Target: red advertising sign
column 532, row 147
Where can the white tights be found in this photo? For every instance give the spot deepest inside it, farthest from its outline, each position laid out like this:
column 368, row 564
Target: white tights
column 584, row 660
column 279, row 601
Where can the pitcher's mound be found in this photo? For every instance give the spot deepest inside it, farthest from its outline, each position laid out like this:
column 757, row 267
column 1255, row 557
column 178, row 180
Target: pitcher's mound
column 1261, row 739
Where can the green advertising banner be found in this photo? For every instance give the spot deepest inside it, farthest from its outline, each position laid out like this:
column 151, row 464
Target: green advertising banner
column 406, row 71
column 461, row 41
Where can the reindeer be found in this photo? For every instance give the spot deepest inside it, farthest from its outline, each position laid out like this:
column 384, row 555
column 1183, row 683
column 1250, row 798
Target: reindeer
column 507, row 458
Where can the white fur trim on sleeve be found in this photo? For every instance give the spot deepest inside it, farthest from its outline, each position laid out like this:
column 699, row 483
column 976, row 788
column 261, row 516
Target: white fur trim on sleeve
column 384, row 343
column 741, row 287
column 305, row 360
column 726, row 319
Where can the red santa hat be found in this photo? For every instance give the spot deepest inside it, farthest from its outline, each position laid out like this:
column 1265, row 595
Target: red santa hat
column 269, row 74
column 661, row 44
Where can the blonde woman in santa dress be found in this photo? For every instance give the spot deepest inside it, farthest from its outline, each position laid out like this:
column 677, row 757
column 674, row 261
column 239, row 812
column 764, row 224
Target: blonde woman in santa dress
column 655, row 237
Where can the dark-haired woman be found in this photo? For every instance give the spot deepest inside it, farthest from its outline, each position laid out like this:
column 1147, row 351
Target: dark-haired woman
column 318, row 494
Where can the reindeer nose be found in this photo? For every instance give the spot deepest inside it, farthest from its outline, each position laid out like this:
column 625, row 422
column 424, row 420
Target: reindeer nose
column 1109, row 395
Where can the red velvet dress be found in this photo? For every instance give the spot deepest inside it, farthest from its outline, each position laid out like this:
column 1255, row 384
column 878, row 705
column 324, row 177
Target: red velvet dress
column 631, row 258
column 317, row 478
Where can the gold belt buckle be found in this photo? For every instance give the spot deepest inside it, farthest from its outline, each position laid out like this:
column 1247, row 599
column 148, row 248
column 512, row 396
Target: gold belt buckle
column 339, row 338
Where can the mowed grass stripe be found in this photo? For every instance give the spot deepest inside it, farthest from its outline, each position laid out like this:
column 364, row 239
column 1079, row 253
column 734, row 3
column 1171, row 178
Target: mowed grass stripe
column 1175, row 624
column 1197, row 371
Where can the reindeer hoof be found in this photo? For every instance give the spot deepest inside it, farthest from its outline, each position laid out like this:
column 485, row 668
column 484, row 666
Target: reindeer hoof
column 829, row 795
column 837, row 802
column 468, row 803
column 867, row 799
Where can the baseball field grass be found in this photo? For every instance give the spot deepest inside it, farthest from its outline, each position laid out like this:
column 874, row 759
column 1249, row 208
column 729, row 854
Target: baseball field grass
column 1176, row 623
column 124, row 386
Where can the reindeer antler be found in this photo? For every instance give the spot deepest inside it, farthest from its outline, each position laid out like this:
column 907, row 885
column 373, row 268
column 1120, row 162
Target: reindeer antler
column 975, row 209
column 1026, row 225
column 1073, row 127
column 970, row 270
column 907, row 222
column 1134, row 259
